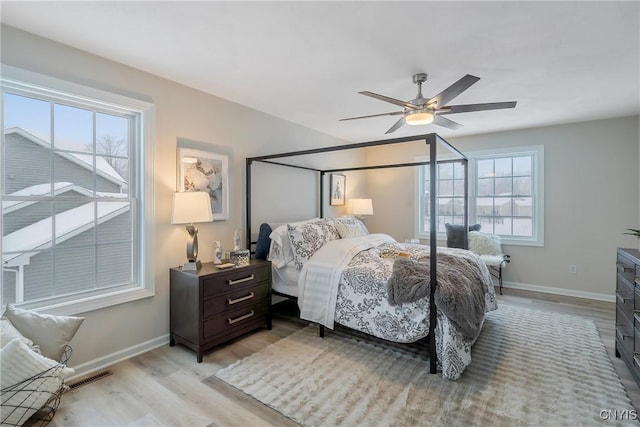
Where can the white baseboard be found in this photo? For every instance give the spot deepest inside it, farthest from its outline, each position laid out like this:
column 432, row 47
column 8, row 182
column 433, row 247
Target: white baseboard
column 104, row 362
column 558, row 291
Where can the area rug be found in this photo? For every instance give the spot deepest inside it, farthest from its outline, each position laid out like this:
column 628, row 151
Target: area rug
column 529, row 368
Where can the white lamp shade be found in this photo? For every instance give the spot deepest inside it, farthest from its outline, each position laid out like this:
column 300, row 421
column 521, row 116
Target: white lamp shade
column 360, row 206
column 190, row 207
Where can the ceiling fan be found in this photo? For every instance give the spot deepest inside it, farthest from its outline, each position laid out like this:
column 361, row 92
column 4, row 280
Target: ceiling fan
column 422, row 111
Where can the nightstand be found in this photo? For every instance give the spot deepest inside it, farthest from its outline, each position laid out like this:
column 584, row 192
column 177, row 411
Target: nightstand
column 211, row 306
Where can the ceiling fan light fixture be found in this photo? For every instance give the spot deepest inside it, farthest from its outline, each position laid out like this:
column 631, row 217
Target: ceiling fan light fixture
column 415, row 118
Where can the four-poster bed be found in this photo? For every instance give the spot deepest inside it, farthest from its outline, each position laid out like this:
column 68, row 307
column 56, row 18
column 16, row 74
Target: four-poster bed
column 433, row 141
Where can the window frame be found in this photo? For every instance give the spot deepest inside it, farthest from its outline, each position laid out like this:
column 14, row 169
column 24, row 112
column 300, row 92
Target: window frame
column 27, row 83
column 537, row 191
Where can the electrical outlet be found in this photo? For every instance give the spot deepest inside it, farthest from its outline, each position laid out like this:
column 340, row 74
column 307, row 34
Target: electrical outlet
column 573, row 269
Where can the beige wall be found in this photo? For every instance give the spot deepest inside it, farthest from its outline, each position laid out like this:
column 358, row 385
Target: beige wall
column 181, row 112
column 591, row 197
column 591, row 188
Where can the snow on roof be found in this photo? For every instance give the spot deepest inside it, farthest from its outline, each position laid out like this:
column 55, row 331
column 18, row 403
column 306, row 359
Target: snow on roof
column 45, row 189
column 488, row 201
column 527, row 201
column 39, row 190
column 103, row 168
column 68, row 224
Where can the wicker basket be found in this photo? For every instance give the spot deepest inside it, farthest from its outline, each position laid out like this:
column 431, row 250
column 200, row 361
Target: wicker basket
column 45, row 413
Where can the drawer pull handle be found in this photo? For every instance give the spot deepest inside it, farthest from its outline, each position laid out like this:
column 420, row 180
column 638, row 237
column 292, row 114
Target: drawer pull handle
column 620, row 334
column 636, row 359
column 235, row 282
column 622, row 299
column 244, row 298
column 622, row 268
column 246, row 316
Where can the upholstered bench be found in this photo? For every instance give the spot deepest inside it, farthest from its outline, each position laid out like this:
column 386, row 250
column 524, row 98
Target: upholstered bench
column 489, row 248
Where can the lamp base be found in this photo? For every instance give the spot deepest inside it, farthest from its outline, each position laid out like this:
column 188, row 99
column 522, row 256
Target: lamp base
column 191, row 266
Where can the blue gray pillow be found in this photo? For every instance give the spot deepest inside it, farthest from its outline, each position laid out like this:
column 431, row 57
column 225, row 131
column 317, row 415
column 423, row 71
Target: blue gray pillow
column 455, row 234
column 264, row 242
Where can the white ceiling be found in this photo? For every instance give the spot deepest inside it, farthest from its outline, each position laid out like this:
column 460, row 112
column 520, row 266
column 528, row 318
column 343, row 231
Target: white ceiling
column 306, row 61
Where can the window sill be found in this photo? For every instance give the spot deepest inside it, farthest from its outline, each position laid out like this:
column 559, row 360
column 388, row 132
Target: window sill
column 505, row 241
column 516, row 242
column 89, row 304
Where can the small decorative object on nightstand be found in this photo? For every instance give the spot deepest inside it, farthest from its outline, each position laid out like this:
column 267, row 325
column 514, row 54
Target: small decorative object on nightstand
column 236, row 240
column 217, row 253
column 240, row 257
column 211, row 306
column 634, row 232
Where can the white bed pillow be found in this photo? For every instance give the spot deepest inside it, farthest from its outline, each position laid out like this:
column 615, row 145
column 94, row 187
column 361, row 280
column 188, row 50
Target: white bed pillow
column 348, row 226
column 484, row 244
column 8, row 333
column 307, row 238
column 51, row 333
column 280, row 251
column 19, row 366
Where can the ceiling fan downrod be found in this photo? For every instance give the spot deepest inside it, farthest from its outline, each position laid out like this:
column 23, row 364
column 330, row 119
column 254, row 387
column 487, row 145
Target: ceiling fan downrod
column 419, row 79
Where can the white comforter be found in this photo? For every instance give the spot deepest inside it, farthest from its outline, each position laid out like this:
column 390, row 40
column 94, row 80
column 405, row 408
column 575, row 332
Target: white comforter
column 320, row 276
column 345, row 282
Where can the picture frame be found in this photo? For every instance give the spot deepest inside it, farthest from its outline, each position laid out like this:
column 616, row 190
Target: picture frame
column 337, row 189
column 200, row 170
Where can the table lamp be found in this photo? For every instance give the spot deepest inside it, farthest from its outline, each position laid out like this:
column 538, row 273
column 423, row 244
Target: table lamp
column 190, row 207
column 360, row 207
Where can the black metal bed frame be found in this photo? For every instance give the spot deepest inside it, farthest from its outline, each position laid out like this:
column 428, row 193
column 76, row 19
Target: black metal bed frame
column 432, row 140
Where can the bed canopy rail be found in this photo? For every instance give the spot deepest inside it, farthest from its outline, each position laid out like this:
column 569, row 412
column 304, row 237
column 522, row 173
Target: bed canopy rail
column 432, row 140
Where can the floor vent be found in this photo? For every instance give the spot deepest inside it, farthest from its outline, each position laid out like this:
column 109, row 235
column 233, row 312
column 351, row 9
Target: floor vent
column 90, row 379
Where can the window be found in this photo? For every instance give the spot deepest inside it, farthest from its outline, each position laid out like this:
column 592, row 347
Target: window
column 75, row 195
column 505, row 194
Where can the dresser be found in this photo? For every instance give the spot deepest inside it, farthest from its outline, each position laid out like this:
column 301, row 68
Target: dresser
column 211, row 306
column 628, row 309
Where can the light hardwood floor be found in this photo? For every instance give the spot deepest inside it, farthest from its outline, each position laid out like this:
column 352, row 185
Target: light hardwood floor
column 167, row 387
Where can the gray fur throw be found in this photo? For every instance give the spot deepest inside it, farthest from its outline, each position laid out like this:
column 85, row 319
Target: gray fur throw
column 459, row 293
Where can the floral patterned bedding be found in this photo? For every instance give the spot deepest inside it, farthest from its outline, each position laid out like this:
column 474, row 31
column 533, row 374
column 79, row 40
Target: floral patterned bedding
column 362, row 305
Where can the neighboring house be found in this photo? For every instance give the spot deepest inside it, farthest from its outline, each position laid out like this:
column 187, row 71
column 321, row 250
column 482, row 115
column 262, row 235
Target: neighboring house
column 29, row 220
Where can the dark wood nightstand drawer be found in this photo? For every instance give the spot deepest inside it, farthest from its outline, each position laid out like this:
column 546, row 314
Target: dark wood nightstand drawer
column 624, row 304
column 625, row 338
column 234, row 319
column 235, row 279
column 626, row 268
column 236, row 299
column 623, row 283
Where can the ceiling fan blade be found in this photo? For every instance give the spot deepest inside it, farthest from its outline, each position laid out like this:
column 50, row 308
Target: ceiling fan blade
column 391, row 100
column 444, row 122
column 396, row 126
column 452, row 91
column 454, row 109
column 395, row 113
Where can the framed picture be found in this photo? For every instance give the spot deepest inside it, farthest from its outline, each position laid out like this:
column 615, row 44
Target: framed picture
column 337, row 185
column 200, row 170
